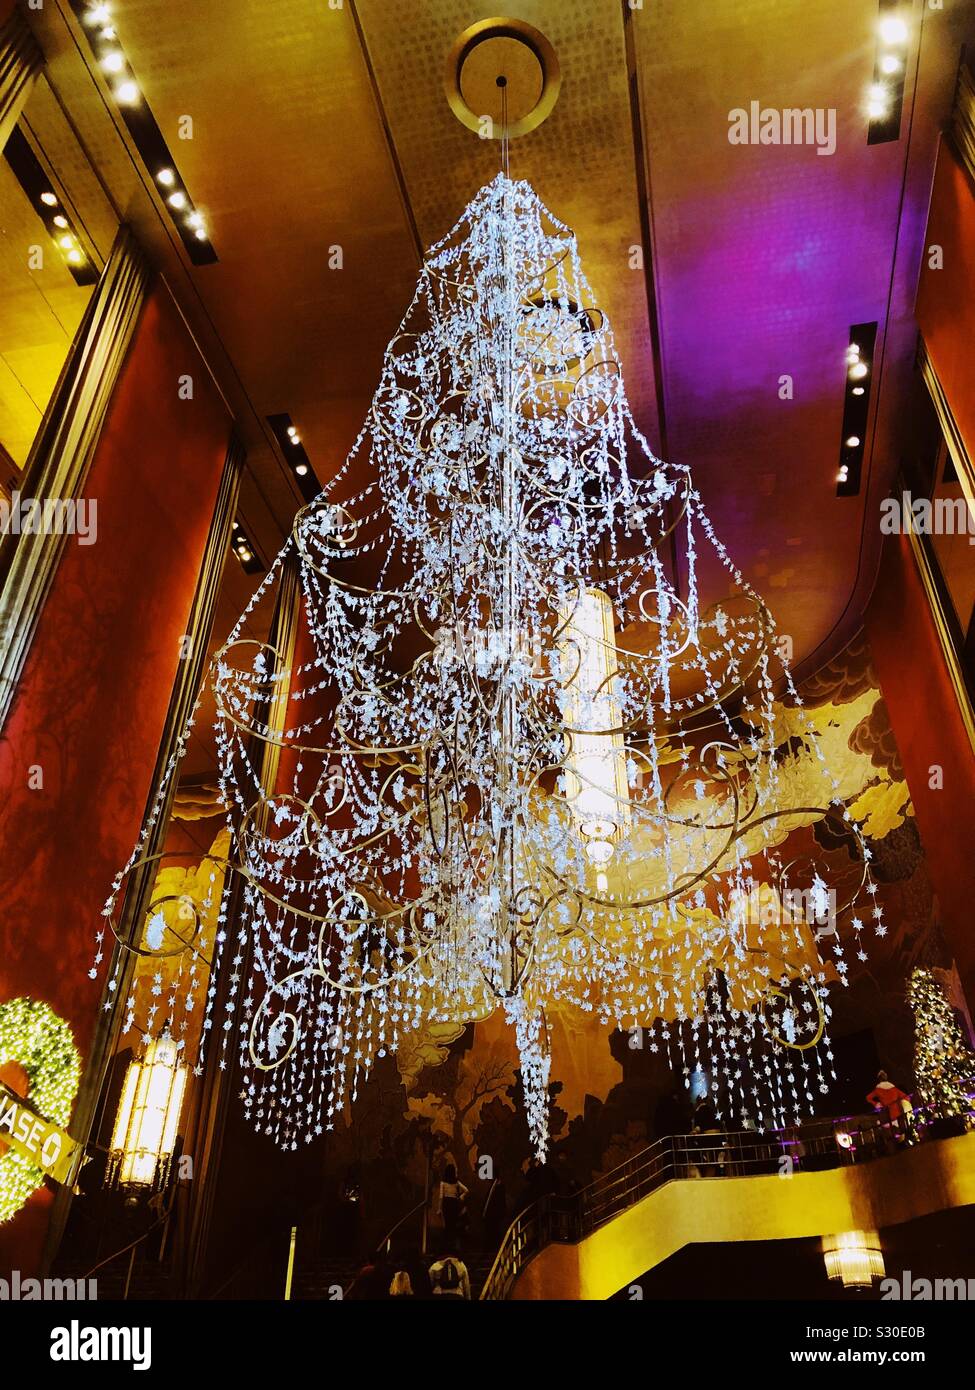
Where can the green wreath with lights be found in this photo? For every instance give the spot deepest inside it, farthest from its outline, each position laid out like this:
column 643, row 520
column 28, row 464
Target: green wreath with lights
column 32, row 1035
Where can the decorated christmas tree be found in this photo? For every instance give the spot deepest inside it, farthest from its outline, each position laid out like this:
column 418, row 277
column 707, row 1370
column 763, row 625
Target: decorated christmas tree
column 943, row 1064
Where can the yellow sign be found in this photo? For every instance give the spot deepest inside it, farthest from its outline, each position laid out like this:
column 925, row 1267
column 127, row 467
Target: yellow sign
column 40, row 1141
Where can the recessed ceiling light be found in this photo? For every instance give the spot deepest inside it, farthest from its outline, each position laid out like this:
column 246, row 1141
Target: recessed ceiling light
column 75, row 257
column 301, row 469
column 99, row 14
column 858, row 371
column 893, row 30
column 200, row 234
column 878, row 92
column 127, row 93
column 889, row 63
column 876, row 109
column 67, row 242
column 853, row 441
column 841, row 476
column 858, row 390
column 177, row 199
column 166, row 177
column 195, row 219
column 49, row 199
column 60, row 221
column 113, row 62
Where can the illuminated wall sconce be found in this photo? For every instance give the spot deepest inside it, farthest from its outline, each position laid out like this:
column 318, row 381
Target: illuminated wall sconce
column 854, row 1257
column 148, row 1115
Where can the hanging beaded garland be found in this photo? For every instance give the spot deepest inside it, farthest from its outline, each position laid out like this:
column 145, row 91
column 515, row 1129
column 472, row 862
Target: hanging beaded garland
column 524, row 765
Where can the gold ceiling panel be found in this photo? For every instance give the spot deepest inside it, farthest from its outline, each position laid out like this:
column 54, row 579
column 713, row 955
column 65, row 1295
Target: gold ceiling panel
column 288, row 161
column 42, row 308
column 580, row 160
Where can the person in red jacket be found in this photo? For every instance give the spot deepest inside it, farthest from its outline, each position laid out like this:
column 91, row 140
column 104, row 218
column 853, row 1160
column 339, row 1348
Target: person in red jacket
column 886, row 1096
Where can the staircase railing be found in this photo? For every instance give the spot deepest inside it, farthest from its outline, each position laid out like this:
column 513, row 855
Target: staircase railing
column 387, row 1240
column 568, row 1219
column 131, row 1249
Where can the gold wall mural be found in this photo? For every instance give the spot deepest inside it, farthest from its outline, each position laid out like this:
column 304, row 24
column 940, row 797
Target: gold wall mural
column 461, row 1084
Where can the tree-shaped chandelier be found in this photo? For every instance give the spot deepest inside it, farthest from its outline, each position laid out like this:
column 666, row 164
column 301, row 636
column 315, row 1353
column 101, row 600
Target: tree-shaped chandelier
column 524, row 766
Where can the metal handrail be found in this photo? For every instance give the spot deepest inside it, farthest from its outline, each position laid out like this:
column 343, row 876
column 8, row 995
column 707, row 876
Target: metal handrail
column 131, row 1245
column 388, row 1237
column 708, row 1154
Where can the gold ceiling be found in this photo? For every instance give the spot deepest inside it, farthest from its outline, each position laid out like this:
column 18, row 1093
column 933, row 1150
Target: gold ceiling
column 319, row 126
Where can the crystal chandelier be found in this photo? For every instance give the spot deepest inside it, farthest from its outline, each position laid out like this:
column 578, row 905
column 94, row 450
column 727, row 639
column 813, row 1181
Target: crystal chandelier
column 525, row 767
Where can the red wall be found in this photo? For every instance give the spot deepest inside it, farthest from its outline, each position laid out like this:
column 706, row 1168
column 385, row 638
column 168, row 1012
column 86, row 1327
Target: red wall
column 907, row 652
column 91, row 704
column 946, row 298
column 927, row 724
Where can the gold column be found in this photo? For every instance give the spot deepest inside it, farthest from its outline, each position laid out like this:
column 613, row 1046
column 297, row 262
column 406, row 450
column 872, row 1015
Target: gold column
column 20, row 62
column 65, row 445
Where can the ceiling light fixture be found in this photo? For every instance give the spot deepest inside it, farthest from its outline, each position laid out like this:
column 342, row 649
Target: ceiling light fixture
column 166, row 177
column 127, row 93
column 49, row 200
column 894, row 30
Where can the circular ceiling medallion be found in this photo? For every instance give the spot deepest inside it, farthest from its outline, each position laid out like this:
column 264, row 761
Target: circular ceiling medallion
column 508, row 49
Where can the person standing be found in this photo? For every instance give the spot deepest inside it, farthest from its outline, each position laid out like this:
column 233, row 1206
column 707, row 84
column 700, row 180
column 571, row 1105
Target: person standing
column 886, row 1096
column 452, row 1197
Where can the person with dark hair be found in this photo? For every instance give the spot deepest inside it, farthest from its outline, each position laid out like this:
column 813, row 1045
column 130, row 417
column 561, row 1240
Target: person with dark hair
column 451, row 1198
column 450, row 1278
column 672, row 1114
column 710, row 1154
column 565, row 1183
column 415, row 1266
